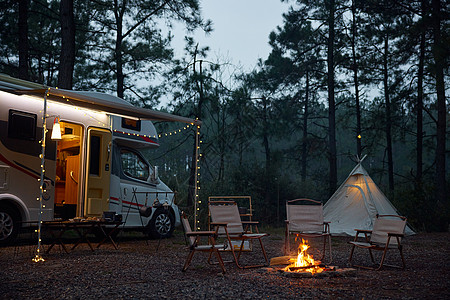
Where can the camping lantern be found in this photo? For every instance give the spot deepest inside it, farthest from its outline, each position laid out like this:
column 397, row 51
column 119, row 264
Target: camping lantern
column 56, row 131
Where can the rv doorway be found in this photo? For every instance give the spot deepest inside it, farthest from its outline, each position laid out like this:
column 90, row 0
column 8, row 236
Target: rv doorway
column 68, row 170
column 99, row 172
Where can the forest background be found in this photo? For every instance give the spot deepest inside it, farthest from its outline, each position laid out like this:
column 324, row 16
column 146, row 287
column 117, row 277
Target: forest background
column 344, row 79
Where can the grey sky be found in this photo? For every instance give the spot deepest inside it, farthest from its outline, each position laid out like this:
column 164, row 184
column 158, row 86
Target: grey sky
column 241, row 29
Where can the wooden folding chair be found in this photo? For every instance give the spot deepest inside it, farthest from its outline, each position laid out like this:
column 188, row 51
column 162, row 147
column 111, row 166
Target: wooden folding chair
column 387, row 233
column 194, row 237
column 225, row 216
column 305, row 220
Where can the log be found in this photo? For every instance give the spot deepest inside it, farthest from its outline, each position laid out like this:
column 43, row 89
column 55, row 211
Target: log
column 293, row 269
column 282, row 260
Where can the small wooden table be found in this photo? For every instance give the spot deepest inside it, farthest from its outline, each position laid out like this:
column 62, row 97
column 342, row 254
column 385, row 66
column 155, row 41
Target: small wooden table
column 82, row 228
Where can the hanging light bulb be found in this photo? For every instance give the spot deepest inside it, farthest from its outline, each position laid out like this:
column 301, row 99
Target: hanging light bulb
column 56, row 132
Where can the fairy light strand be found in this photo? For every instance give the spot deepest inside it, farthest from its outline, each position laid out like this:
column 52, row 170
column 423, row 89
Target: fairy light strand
column 38, row 257
column 197, row 201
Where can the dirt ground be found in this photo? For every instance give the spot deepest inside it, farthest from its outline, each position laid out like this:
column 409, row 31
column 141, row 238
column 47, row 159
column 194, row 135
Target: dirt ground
column 141, row 270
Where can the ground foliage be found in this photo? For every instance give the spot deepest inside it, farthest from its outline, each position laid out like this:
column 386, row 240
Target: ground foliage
column 139, row 270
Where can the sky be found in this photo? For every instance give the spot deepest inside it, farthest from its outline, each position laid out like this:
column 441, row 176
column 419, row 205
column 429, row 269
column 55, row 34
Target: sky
column 241, row 29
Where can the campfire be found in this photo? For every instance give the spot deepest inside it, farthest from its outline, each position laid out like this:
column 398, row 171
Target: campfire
column 304, row 266
column 304, row 262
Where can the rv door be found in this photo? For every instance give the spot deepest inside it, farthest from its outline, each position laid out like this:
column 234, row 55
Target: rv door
column 98, row 171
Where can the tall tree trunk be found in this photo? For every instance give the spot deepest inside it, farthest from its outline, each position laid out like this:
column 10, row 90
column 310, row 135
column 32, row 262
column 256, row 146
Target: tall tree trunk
column 265, row 137
column 222, row 144
column 388, row 127
column 240, row 134
column 119, row 13
column 305, row 130
column 23, row 39
column 331, row 101
column 419, row 108
column 439, row 53
column 268, row 176
column 67, row 59
column 356, row 82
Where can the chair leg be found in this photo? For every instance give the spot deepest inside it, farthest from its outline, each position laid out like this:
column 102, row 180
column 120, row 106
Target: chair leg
column 329, row 245
column 236, row 258
column 188, row 260
column 400, row 248
column 241, row 247
column 324, row 247
column 389, row 265
column 219, row 258
column 286, row 242
column 371, row 255
column 263, row 251
column 351, row 255
column 209, row 258
column 383, row 257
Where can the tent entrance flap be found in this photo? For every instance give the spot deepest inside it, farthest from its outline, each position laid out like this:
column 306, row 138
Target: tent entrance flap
column 371, row 211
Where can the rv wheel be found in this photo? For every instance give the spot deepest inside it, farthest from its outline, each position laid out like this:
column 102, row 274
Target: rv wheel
column 162, row 224
column 9, row 225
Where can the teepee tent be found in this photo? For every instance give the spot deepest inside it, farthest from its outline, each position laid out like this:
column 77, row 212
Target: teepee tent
column 356, row 203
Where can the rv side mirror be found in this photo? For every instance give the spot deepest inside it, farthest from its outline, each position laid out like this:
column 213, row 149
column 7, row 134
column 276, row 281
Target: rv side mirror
column 155, row 173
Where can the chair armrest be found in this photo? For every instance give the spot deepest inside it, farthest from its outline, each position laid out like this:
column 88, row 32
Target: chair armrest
column 200, row 233
column 396, row 234
column 365, row 231
column 225, row 224
column 250, row 222
column 326, row 227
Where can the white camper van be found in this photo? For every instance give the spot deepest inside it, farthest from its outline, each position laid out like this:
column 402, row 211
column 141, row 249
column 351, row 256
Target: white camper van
column 96, row 166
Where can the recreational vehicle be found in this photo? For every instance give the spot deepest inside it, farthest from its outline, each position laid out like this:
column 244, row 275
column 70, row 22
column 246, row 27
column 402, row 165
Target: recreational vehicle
column 94, row 168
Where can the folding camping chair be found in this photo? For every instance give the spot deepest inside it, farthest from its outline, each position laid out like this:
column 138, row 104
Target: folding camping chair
column 193, row 238
column 305, row 220
column 387, row 233
column 225, row 216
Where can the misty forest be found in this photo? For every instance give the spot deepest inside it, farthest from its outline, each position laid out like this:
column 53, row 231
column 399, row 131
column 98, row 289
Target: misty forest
column 345, row 79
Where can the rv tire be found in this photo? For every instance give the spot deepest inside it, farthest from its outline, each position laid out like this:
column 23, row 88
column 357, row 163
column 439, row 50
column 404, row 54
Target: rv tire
column 161, row 224
column 9, row 224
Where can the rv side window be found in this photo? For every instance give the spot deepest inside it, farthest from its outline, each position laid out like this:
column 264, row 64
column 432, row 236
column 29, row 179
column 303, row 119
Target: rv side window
column 133, row 165
column 131, row 124
column 22, row 125
column 94, row 165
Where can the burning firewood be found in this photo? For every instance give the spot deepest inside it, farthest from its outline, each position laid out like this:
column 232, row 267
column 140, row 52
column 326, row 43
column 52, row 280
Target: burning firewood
column 282, row 260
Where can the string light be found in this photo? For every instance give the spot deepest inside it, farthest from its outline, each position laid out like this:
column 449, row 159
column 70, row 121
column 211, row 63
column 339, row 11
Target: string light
column 38, row 257
column 159, row 135
column 86, row 113
column 197, row 201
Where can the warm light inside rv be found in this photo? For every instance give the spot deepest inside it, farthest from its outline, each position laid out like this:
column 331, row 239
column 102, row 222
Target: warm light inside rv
column 56, row 131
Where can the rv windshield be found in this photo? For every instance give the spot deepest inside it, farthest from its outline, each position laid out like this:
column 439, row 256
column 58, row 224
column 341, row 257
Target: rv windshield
column 133, row 165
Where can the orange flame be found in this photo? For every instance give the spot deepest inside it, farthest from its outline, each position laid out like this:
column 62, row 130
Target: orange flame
column 304, row 260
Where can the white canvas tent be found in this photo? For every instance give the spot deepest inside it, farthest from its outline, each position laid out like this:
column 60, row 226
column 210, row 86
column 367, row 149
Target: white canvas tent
column 356, row 203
